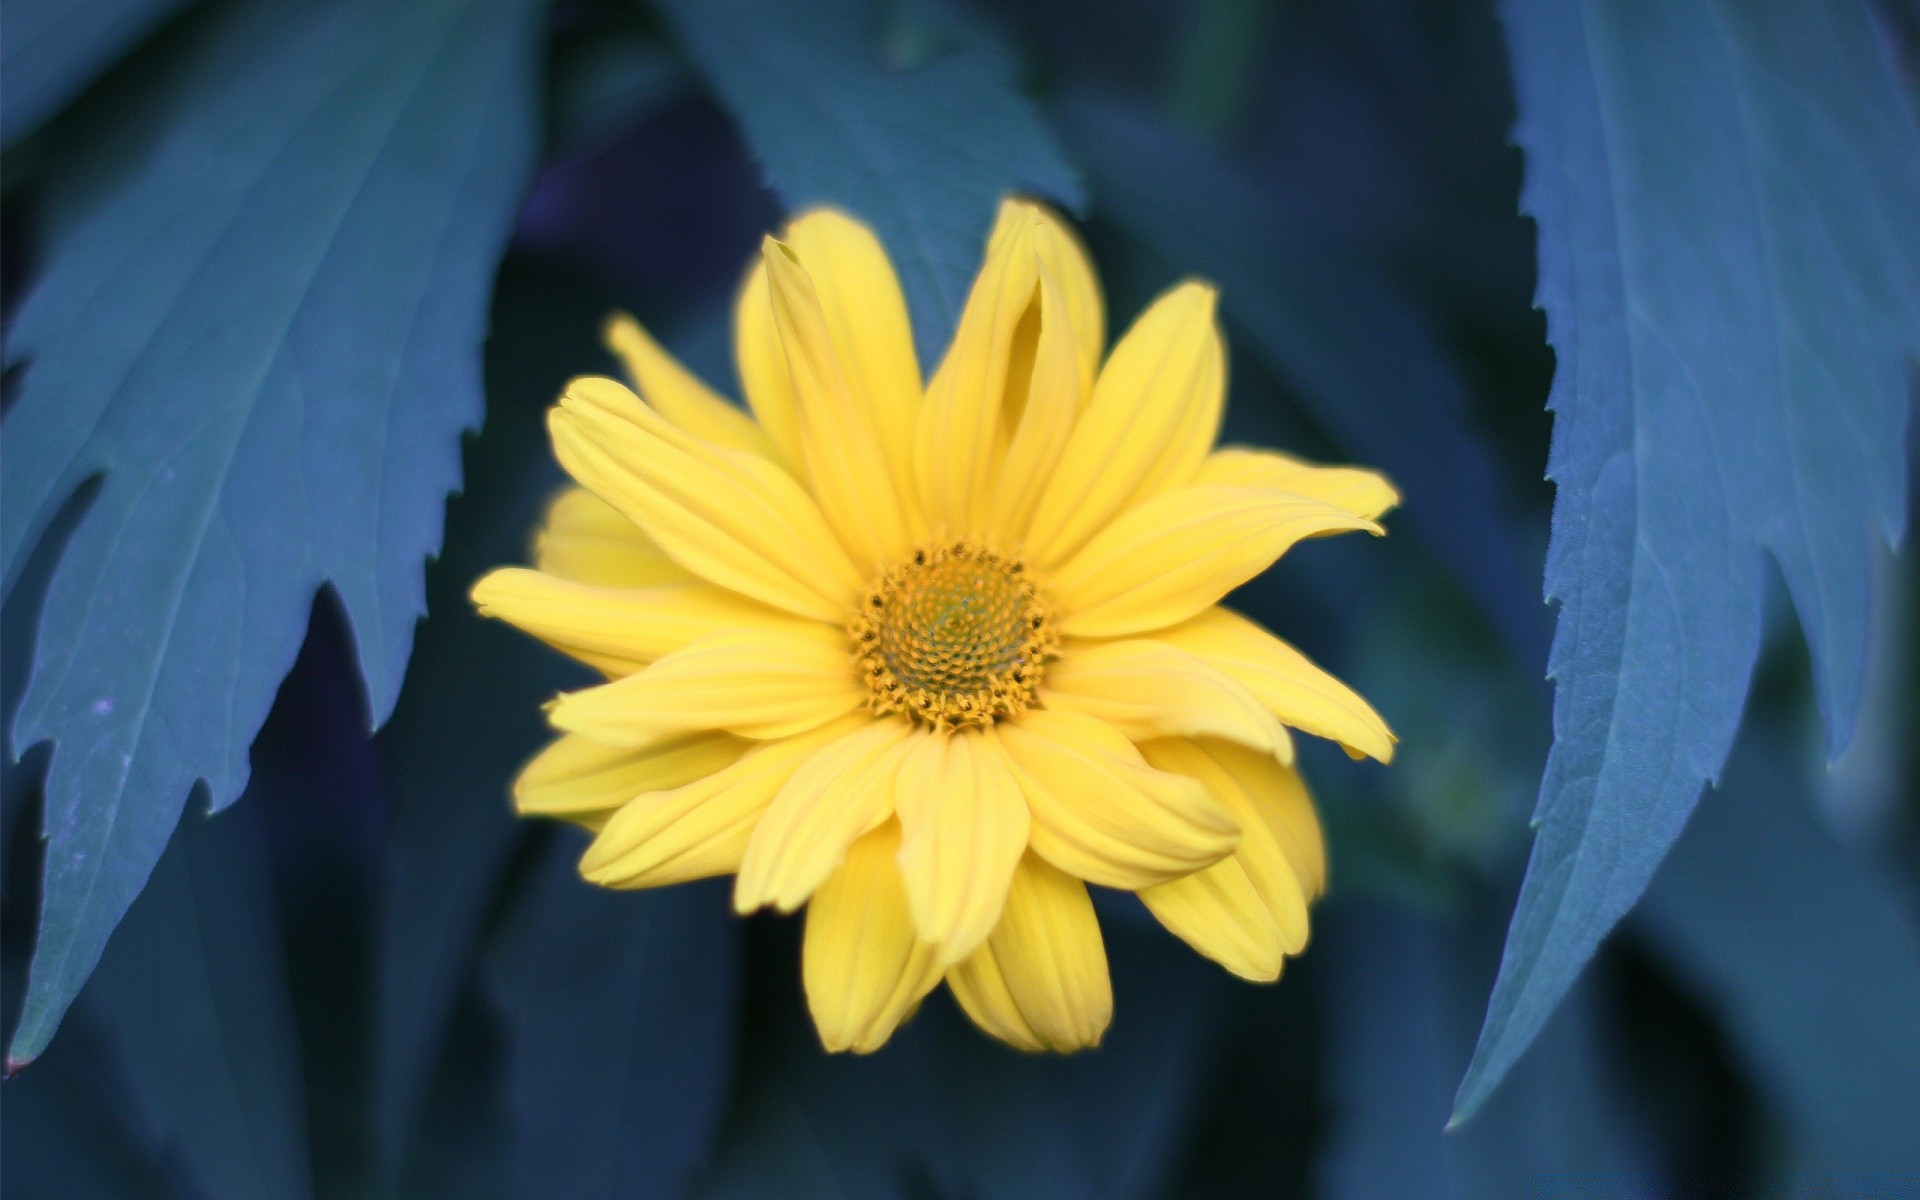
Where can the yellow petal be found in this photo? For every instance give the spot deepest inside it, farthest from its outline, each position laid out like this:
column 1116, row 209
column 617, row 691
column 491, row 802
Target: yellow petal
column 731, row 517
column 700, row 828
column 1292, row 687
column 864, row 311
column 1062, row 256
column 581, row 779
column 847, row 466
column 1040, row 981
column 619, row 630
column 1265, row 851
column 843, row 792
column 958, row 437
column 1172, row 556
column 1043, row 399
column 1101, row 813
column 585, row 539
column 1218, row 912
column 758, row 683
column 1282, row 800
column 963, row 827
column 863, row 968
column 1361, row 492
column 762, row 365
column 678, row 394
column 1150, row 689
column 1154, row 414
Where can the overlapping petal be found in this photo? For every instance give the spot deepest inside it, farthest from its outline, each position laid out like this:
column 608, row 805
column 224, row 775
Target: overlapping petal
column 963, row 827
column 618, row 630
column 701, row 828
column 1153, row 416
column 863, row 966
column 585, row 539
column 844, row 792
column 678, row 394
column 582, row 780
column 1170, row 557
column 1219, row 912
column 1040, row 981
column 1149, row 689
column 1291, row 685
column 1100, row 812
column 759, row 683
column 727, row 515
column 847, row 461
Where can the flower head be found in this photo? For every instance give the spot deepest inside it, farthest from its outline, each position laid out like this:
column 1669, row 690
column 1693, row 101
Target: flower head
column 928, row 661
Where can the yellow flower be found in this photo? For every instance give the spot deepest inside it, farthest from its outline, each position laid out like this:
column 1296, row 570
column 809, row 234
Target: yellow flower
column 930, row 661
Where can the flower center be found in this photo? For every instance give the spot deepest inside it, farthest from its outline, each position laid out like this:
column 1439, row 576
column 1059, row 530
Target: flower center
column 956, row 635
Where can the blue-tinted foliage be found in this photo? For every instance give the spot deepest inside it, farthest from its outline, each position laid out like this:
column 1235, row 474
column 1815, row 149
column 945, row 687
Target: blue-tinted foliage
column 1812, row 958
column 51, row 49
column 1317, row 315
column 923, row 154
column 624, row 1104
column 1730, row 266
column 259, row 321
column 192, row 992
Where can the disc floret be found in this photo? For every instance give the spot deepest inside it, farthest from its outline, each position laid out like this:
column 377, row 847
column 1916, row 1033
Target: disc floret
column 957, row 635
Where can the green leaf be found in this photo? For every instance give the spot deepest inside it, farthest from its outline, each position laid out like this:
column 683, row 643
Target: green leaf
column 1730, row 266
column 922, row 154
column 1810, row 958
column 259, row 323
column 54, row 48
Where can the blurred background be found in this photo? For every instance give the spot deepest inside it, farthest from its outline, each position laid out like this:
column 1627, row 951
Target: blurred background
column 367, row 978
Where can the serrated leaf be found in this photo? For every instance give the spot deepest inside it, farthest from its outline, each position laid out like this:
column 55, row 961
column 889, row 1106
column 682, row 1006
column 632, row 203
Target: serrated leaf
column 52, row 49
column 1318, row 316
column 1730, row 266
column 469, row 715
column 625, row 1105
column 921, row 154
column 259, row 322
column 1809, row 957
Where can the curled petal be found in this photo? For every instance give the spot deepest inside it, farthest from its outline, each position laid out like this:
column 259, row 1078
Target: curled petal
column 1101, row 813
column 1361, row 492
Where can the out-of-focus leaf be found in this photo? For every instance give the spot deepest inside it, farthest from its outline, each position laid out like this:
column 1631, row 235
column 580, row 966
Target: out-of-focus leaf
column 1402, row 998
column 469, row 716
column 260, row 322
column 1730, row 267
column 606, row 83
column 52, row 49
column 1362, row 363
column 626, row 1103
column 923, row 155
column 71, row 1132
column 943, row 1110
column 192, row 993
column 1811, row 960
